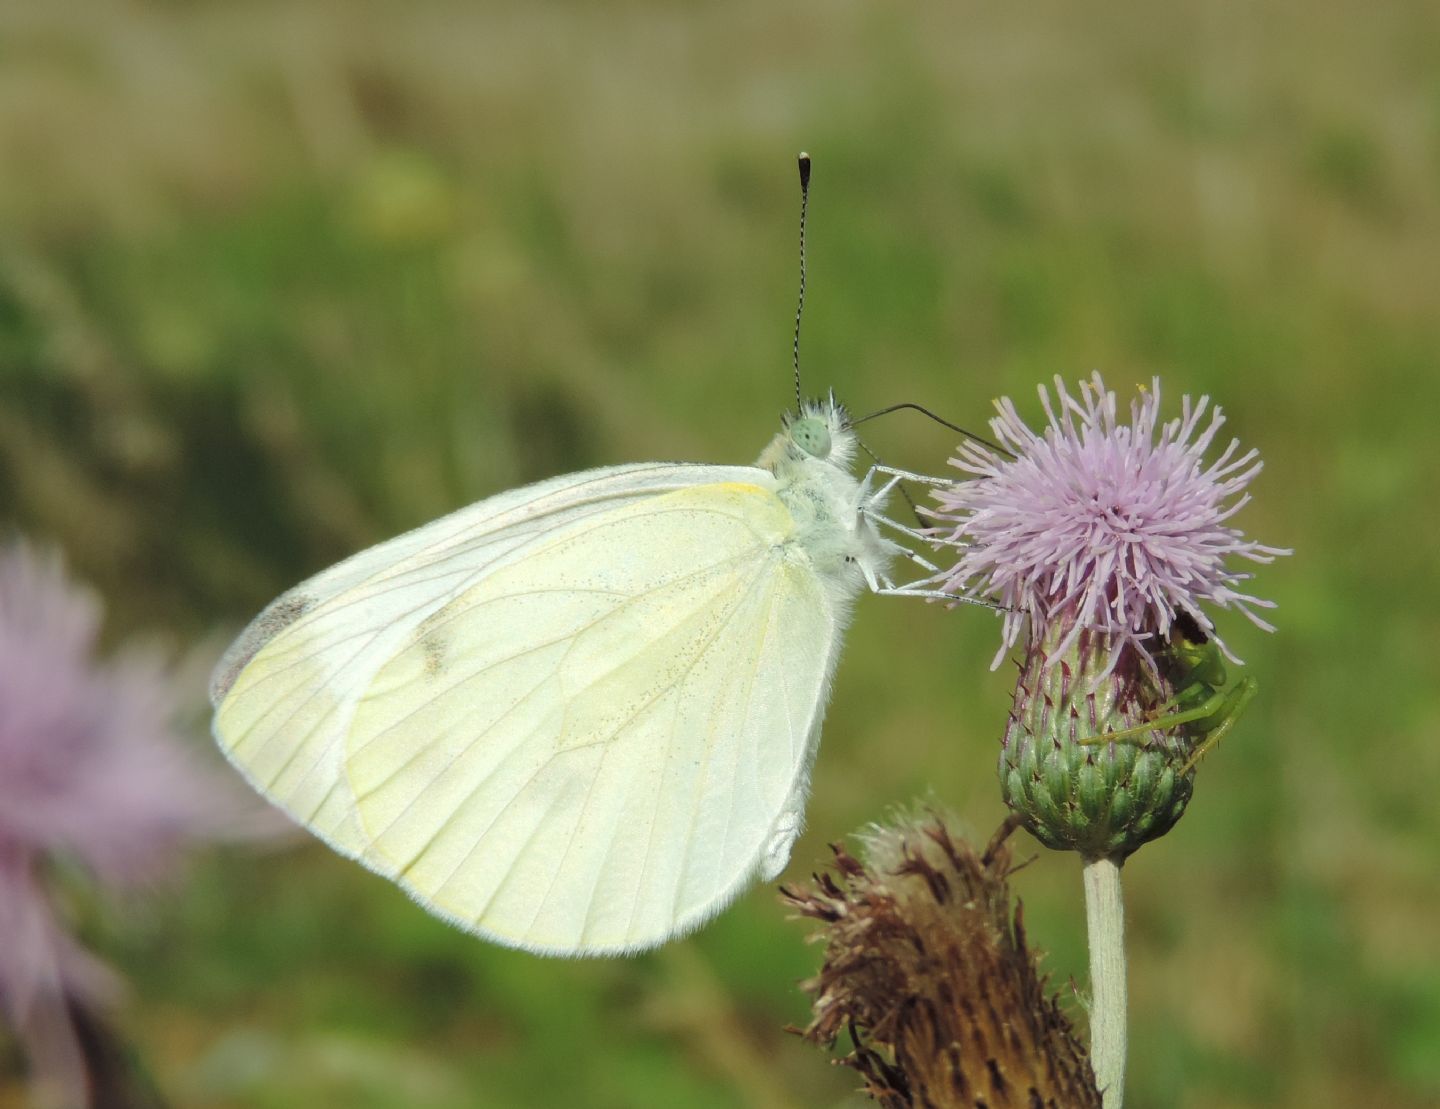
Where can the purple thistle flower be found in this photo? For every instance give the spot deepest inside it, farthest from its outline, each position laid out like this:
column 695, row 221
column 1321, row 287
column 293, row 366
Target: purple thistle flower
column 92, row 772
column 1117, row 529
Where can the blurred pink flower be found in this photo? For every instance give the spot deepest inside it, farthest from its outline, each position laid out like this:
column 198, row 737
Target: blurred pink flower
column 92, row 773
column 1109, row 526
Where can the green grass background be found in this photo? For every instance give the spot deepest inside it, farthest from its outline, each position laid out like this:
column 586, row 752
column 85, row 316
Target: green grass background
column 278, row 280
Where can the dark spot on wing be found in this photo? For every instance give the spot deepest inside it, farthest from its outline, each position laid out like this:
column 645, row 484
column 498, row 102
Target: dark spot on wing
column 434, row 649
column 432, row 641
column 278, row 615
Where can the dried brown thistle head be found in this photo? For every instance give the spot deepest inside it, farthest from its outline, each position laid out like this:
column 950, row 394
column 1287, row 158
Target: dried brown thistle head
column 930, row 974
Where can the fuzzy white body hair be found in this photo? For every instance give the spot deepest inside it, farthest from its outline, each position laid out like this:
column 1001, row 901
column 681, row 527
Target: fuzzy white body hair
column 825, row 500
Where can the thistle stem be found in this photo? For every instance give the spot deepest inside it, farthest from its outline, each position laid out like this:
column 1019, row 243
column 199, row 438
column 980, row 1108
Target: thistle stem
column 1105, row 921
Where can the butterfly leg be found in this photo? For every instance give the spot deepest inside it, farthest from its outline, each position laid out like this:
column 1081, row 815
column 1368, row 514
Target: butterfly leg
column 866, row 483
column 881, row 581
column 904, row 475
column 914, row 533
column 915, row 589
column 935, row 595
column 869, row 496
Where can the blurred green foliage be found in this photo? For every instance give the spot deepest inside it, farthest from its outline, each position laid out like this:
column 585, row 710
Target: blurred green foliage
column 278, row 280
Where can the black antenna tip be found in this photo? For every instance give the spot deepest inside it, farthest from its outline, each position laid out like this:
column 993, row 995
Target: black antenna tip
column 804, row 170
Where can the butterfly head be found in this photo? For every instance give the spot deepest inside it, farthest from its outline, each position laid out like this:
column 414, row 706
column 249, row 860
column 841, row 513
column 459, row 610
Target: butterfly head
column 812, row 435
column 819, row 433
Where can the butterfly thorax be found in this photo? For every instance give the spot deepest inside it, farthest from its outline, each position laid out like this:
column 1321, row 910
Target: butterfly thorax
column 810, row 459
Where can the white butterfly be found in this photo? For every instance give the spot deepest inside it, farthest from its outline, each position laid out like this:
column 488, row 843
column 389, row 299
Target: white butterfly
column 578, row 717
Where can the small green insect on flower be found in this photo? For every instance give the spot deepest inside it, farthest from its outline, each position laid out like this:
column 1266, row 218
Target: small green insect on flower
column 1200, row 708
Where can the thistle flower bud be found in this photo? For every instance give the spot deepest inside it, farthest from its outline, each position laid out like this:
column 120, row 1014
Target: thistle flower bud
column 928, row 970
column 1101, row 799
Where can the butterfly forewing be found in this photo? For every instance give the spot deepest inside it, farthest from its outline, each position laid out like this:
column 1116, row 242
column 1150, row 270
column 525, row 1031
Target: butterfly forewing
column 286, row 690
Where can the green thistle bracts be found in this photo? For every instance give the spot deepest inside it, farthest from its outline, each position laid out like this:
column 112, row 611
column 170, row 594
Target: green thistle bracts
column 1103, row 800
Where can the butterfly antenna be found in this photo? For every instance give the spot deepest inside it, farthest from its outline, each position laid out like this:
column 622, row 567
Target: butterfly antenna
column 800, row 304
column 984, row 442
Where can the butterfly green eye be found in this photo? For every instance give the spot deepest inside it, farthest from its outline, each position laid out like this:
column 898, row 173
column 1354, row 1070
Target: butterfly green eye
column 812, row 436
